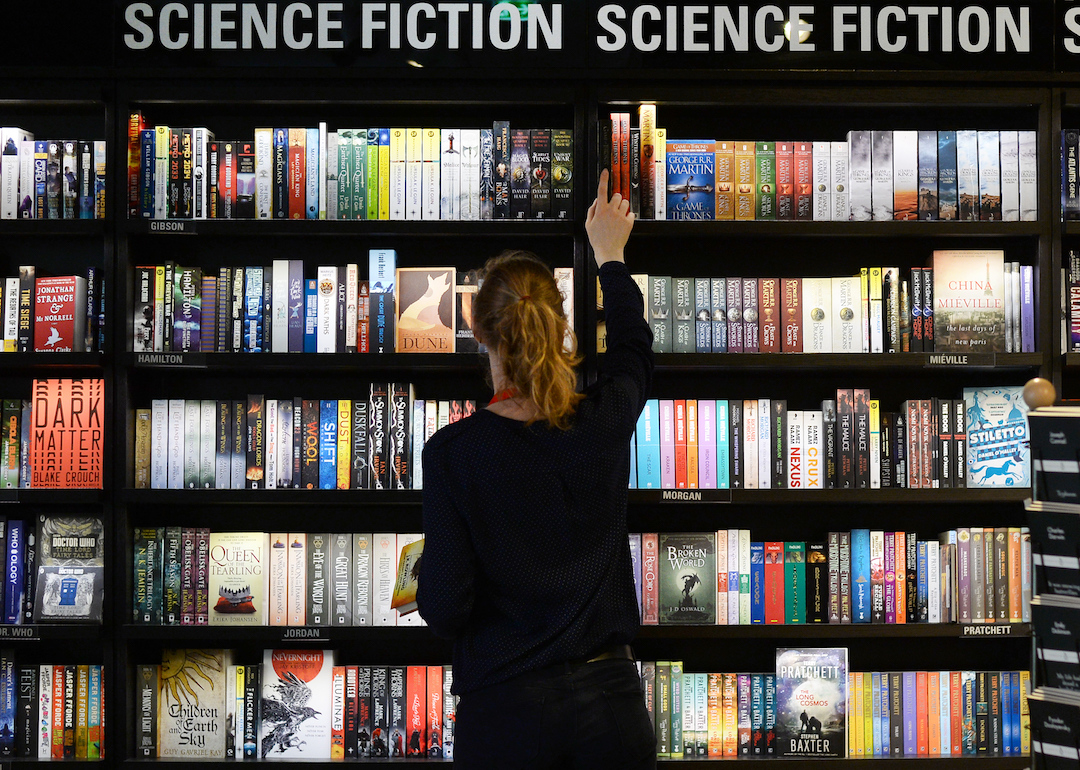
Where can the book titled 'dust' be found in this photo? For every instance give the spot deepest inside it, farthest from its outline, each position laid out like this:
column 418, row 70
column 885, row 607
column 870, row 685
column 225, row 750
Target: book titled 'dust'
column 67, row 433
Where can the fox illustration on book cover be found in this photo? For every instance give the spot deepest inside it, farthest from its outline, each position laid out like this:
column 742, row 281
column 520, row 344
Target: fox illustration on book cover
column 425, row 323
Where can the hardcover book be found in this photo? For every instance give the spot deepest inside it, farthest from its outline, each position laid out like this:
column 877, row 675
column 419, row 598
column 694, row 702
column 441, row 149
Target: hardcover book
column 687, row 569
column 997, row 437
column 67, row 452
column 426, row 314
column 811, row 702
column 969, row 301
column 295, row 705
column 239, row 577
column 60, row 314
column 69, row 580
column 691, row 180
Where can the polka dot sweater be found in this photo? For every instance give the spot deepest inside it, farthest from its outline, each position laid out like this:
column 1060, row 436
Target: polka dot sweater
column 526, row 561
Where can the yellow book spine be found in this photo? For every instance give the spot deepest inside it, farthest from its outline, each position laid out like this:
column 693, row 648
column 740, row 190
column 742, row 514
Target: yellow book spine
column 660, row 173
column 856, row 691
column 397, row 171
column 1025, row 714
column 344, row 443
column 745, row 200
column 384, row 174
column 82, row 699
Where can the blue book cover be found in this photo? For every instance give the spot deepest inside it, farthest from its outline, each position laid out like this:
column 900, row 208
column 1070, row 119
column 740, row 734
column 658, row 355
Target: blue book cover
column 633, row 462
column 7, row 703
column 911, row 732
column 691, row 177
column 253, row 309
column 998, row 454
column 860, row 576
column 146, row 173
column 875, row 744
column 883, row 715
column 723, row 452
column 635, row 561
column 311, row 314
column 948, row 202
column 1014, row 678
column 311, row 197
column 757, row 583
column 296, row 318
column 648, row 446
column 922, row 591
column 328, row 429
column 757, row 715
column 14, row 573
column 1006, row 714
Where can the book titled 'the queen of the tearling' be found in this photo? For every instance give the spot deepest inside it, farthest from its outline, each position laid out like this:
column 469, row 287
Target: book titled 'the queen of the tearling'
column 811, row 702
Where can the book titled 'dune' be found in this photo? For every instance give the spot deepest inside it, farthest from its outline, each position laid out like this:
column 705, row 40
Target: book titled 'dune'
column 811, row 702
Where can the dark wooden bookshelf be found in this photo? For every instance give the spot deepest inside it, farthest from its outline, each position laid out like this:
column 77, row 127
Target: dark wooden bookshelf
column 397, row 363
column 809, row 229
column 850, row 362
column 306, row 228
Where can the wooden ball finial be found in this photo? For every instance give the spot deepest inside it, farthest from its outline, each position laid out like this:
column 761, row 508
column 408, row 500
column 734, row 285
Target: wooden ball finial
column 1039, row 392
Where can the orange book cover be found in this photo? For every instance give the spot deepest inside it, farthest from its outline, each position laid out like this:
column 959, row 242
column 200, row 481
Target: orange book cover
column 1015, row 579
column 337, row 713
column 68, row 433
column 416, row 689
column 614, row 167
column 435, row 711
column 680, row 444
column 956, row 713
column 933, row 712
column 731, row 714
column 624, row 154
column 922, row 726
column 692, row 446
column 774, row 582
column 716, row 716
column 745, row 197
column 901, row 577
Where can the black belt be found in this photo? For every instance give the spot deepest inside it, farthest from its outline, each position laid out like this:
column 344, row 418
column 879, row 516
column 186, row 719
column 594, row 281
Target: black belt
column 613, row 652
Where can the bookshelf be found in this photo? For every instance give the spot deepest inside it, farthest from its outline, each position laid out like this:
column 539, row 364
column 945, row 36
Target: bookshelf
column 762, row 104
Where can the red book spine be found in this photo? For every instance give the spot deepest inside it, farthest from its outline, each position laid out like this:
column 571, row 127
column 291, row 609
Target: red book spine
column 650, row 588
column 769, row 315
column 615, row 167
column 416, row 691
column 187, row 576
column 680, row 444
column 624, row 154
column 792, row 339
column 202, row 576
column 922, row 717
column 774, row 582
column 135, row 126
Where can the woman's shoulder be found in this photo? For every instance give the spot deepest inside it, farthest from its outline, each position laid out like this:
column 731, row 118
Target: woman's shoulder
column 451, row 435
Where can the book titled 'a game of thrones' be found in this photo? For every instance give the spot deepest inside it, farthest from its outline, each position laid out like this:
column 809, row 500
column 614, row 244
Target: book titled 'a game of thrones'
column 811, row 702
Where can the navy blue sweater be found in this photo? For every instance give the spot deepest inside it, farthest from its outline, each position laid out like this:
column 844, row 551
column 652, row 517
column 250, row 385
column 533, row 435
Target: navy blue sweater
column 526, row 561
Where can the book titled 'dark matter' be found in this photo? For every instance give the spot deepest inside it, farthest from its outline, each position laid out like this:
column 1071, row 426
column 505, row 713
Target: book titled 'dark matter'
column 67, row 434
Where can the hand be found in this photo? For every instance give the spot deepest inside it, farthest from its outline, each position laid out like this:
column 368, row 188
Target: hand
column 608, row 224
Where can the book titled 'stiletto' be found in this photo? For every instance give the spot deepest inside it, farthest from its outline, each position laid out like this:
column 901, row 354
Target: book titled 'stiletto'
column 67, row 433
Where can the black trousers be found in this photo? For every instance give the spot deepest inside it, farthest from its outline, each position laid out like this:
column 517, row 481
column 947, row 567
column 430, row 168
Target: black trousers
column 574, row 715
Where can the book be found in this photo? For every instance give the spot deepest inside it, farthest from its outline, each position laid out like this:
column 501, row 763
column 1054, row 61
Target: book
column 686, row 569
column 60, row 314
column 408, row 574
column 191, row 704
column 239, row 578
column 426, row 317
column 996, row 437
column 969, row 301
column 295, row 704
column 690, row 174
column 68, row 451
column 69, row 579
column 811, row 702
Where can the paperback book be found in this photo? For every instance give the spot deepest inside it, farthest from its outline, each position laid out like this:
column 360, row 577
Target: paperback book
column 687, row 570
column 811, row 702
column 70, row 580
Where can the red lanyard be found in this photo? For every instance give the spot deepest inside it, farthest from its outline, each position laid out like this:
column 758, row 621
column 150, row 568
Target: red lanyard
column 502, row 395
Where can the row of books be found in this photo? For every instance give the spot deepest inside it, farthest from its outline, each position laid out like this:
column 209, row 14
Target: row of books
column 849, row 442
column 54, row 569
column 51, row 178
column 66, row 448
column 52, row 314
column 968, row 175
column 291, row 705
column 966, row 301
column 496, row 172
column 276, row 309
column 374, row 441
column 184, row 576
column 855, row 714
column 964, row 575
column 51, row 711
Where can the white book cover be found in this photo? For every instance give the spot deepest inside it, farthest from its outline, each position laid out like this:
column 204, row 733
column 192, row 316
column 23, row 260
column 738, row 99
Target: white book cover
column 285, row 469
column 12, row 141
column 270, row 443
column 297, row 579
column 817, row 315
column 876, row 322
column 838, row 180
column 382, row 270
column 846, row 314
column 733, row 577
column 176, row 443
column 44, row 711
column 764, row 443
column 744, row 577
column 1010, row 176
column 397, row 174
column 859, row 172
column 323, row 170
column 404, row 539
column 1014, row 278
column 882, row 172
column 989, row 142
column 277, row 595
column 383, row 572
column 326, row 309
column 432, row 192
column 207, row 442
column 660, row 173
column 239, row 578
column 450, row 179
column 237, row 454
column 279, row 328
column 26, row 181
column 159, row 444
column 296, row 705
column 312, row 174
column 813, row 450
column 564, row 281
column 721, row 577
column 200, row 147
column 470, row 174
column 361, row 615
column 1010, row 304
column 906, row 175
column 750, row 443
column 418, row 441
column 822, row 181
column 933, row 582
column 352, row 299
column 945, row 701
column 431, row 418
column 264, row 176
column 414, row 173
column 794, row 451
column 967, row 173
column 1029, row 175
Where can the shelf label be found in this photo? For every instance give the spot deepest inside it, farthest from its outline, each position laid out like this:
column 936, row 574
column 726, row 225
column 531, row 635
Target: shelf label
column 167, row 360
column 960, row 359
column 173, row 226
column 988, row 629
column 693, row 495
column 29, row 633
column 300, row 635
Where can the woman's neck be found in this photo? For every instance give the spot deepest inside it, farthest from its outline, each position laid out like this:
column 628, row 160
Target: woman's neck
column 512, row 405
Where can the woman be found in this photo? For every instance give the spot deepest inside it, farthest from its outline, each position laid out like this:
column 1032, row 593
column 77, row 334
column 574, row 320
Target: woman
column 526, row 561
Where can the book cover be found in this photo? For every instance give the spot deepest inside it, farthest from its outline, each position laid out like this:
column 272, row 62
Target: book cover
column 191, row 704
column 967, row 174
column 811, row 702
column 426, row 315
column 70, row 569
column 239, row 578
column 928, row 175
column 948, row 202
column 996, row 437
column 295, row 705
column 969, row 300
column 882, row 174
column 687, row 569
column 408, row 574
column 59, row 323
column 906, row 175
column 690, row 176
column 67, row 452
column 859, row 175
